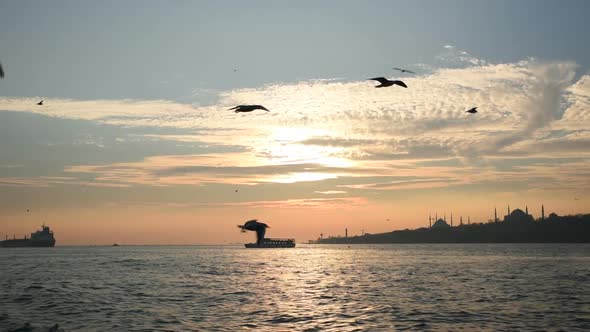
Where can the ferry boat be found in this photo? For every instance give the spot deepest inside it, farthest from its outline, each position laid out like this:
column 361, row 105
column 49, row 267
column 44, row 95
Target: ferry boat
column 42, row 238
column 273, row 243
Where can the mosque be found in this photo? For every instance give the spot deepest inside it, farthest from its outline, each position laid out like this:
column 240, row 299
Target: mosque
column 441, row 222
column 515, row 216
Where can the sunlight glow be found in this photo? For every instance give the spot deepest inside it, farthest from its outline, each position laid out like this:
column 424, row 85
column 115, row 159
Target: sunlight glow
column 302, row 177
column 285, row 148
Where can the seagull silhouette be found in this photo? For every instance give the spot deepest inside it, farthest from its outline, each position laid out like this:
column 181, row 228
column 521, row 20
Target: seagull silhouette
column 385, row 82
column 1, row 71
column 248, row 108
column 258, row 227
column 472, row 110
column 40, row 103
column 404, row 70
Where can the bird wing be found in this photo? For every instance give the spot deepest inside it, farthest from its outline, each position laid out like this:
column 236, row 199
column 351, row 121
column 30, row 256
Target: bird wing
column 398, row 69
column 262, row 108
column 1, row 71
column 409, row 71
column 380, row 79
column 400, row 83
column 234, row 108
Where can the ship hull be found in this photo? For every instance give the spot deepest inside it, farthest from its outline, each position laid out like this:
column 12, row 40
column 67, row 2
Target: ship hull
column 255, row 245
column 272, row 243
column 25, row 243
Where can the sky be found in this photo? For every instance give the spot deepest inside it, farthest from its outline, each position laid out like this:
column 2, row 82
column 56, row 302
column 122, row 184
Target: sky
column 135, row 143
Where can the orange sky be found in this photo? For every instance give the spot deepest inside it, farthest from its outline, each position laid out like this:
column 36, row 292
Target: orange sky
column 189, row 225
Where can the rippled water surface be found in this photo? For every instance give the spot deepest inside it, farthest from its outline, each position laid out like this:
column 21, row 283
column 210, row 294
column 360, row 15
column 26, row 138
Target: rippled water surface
column 309, row 288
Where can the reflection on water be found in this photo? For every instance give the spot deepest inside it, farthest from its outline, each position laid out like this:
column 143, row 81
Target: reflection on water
column 309, row 288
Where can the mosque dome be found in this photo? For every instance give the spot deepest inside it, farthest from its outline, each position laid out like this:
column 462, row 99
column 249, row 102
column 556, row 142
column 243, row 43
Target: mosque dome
column 518, row 215
column 440, row 224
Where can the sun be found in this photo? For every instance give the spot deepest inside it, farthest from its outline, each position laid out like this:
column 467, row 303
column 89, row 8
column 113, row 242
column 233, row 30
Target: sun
column 287, row 146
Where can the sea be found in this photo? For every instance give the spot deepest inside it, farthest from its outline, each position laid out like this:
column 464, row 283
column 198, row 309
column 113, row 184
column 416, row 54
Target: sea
column 390, row 287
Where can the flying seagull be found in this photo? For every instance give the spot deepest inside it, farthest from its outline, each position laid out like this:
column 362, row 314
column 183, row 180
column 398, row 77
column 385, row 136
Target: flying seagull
column 385, row 82
column 248, row 108
column 472, row 110
column 258, row 227
column 1, row 71
column 40, row 103
column 404, row 70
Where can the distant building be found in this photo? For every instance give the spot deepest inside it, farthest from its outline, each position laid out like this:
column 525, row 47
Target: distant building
column 440, row 224
column 518, row 215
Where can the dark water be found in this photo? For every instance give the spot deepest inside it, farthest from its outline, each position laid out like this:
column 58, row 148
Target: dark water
column 309, row 288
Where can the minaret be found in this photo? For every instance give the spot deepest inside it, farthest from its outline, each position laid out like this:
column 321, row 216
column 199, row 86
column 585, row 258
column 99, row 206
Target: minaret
column 346, row 233
column 445, row 217
column 468, row 220
column 429, row 220
column 527, row 210
column 508, row 209
column 461, row 221
column 542, row 212
column 436, row 217
column 451, row 219
column 495, row 215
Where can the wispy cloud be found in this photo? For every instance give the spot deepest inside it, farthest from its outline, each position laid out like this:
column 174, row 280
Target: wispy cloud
column 48, row 181
column 308, row 203
column 331, row 192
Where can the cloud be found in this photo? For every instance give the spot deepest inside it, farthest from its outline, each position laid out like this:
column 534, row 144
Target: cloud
column 49, row 181
column 336, row 130
column 308, row 203
column 330, row 192
column 577, row 113
column 416, row 183
column 229, row 168
column 317, row 203
column 453, row 57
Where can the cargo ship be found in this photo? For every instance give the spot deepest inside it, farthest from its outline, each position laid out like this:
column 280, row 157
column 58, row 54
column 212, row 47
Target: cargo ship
column 273, row 243
column 41, row 238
